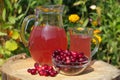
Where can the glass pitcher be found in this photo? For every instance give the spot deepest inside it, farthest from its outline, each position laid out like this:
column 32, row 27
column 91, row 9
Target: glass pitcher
column 46, row 35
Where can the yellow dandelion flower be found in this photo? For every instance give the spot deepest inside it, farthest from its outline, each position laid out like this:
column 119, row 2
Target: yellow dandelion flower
column 95, row 23
column 73, row 18
column 98, row 37
column 97, row 31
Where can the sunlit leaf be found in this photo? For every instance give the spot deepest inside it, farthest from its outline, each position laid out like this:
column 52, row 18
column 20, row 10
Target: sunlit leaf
column 19, row 10
column 78, row 3
column 1, row 50
column 1, row 61
column 7, row 52
column 12, row 19
column 16, row 5
column 85, row 23
column 20, row 16
column 109, row 15
column 15, row 34
column 9, row 5
column 4, row 14
column 2, row 34
column 7, row 25
column 33, row 3
column 11, row 45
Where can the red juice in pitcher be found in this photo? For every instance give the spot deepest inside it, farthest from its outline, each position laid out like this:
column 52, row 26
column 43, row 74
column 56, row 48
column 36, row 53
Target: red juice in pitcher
column 80, row 43
column 44, row 40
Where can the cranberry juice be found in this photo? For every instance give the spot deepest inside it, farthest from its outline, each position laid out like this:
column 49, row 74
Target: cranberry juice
column 44, row 40
column 80, row 43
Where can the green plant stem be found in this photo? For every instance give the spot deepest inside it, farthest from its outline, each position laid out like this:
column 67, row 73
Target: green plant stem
column 24, row 14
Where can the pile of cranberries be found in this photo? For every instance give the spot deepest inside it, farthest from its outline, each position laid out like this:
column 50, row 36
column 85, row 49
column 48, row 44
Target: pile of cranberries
column 69, row 62
column 42, row 70
column 69, row 57
column 65, row 61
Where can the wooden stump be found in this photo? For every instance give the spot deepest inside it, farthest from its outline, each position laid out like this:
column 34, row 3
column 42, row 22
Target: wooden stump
column 16, row 69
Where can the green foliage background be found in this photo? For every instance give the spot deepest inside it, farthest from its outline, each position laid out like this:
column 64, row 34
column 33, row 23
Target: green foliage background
column 107, row 16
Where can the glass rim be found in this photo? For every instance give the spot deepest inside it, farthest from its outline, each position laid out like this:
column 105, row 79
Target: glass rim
column 65, row 65
column 48, row 9
column 81, row 29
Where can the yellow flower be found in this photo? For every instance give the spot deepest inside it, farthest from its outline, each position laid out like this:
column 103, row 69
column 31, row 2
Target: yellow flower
column 95, row 23
column 98, row 37
column 73, row 18
column 97, row 31
column 79, row 29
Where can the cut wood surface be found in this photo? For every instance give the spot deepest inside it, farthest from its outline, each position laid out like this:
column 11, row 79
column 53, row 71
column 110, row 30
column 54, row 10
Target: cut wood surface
column 16, row 69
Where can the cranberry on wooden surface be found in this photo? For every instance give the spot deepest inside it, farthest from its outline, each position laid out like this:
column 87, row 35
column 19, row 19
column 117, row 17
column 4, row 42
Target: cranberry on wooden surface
column 42, row 70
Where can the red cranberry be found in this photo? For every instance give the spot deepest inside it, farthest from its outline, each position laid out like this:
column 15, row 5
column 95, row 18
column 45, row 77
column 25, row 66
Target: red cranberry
column 50, row 68
column 46, row 73
column 29, row 70
column 80, row 55
column 73, row 59
column 74, row 54
column 53, row 73
column 33, row 71
column 61, row 53
column 39, row 68
column 43, row 70
column 36, row 65
column 44, row 67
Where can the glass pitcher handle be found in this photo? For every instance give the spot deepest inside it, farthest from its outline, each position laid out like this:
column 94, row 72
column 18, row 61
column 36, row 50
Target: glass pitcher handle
column 96, row 47
column 24, row 27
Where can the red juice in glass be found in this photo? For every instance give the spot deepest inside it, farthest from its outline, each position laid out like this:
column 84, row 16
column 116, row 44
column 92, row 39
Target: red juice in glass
column 44, row 40
column 80, row 43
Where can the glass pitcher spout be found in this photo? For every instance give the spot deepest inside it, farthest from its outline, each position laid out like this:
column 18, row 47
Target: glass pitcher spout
column 49, row 15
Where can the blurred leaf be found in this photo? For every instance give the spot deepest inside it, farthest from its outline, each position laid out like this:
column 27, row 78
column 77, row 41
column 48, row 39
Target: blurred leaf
column 2, row 34
column 7, row 25
column 58, row 1
column 1, row 50
column 7, row 52
column 19, row 10
column 11, row 45
column 12, row 19
column 109, row 15
column 15, row 34
column 4, row 14
column 118, row 26
column 78, row 3
column 114, row 23
column 33, row 3
column 20, row 16
column 1, row 62
column 8, row 4
column 0, row 77
column 16, row 5
column 85, row 23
